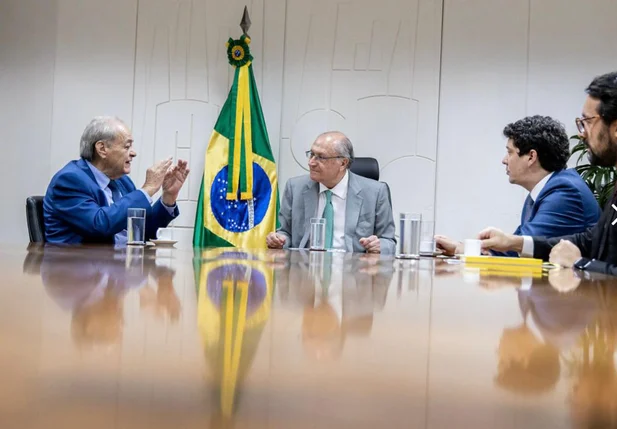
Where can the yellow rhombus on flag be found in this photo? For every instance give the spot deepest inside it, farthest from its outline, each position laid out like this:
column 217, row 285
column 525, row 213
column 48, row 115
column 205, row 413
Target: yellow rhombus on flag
column 238, row 202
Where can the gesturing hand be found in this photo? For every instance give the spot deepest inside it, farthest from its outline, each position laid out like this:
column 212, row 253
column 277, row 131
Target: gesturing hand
column 173, row 181
column 155, row 176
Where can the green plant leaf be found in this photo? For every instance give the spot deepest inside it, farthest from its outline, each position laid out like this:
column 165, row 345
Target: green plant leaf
column 600, row 180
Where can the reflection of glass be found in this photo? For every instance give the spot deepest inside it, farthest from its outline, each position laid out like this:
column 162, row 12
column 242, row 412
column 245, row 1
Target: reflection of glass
column 318, row 233
column 134, row 262
column 409, row 235
column 316, row 264
column 136, row 226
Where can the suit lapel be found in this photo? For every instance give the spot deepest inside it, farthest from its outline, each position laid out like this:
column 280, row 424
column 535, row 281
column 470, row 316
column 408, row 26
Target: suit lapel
column 352, row 210
column 102, row 199
column 84, row 166
column 310, row 196
column 545, row 190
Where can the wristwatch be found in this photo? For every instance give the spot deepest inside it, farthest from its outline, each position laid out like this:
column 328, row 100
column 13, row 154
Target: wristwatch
column 582, row 263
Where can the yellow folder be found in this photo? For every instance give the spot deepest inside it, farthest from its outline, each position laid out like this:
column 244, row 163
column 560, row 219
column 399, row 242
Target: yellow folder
column 503, row 261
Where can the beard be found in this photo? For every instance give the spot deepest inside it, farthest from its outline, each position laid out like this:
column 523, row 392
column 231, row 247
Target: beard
column 606, row 156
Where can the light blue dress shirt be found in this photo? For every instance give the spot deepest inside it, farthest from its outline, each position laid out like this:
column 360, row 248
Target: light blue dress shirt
column 103, row 181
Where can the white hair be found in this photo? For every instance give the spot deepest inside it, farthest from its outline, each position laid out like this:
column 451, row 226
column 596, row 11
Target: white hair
column 101, row 128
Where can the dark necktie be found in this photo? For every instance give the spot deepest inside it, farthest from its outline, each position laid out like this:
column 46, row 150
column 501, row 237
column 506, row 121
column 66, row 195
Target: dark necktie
column 527, row 208
column 115, row 192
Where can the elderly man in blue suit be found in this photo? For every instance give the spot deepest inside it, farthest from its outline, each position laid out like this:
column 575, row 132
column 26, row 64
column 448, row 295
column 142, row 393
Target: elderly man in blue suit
column 559, row 202
column 87, row 201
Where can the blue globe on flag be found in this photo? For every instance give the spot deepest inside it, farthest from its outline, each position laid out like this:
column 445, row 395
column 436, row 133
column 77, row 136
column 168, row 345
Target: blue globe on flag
column 234, row 215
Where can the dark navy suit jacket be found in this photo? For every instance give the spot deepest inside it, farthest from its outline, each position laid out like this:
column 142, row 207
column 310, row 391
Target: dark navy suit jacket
column 564, row 206
column 76, row 210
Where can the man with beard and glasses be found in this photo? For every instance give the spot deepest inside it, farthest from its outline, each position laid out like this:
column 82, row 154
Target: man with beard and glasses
column 595, row 249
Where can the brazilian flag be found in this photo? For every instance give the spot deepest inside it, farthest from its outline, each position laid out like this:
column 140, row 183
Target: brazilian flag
column 238, row 201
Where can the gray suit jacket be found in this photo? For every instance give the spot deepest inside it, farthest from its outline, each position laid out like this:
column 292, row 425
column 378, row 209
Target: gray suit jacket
column 367, row 212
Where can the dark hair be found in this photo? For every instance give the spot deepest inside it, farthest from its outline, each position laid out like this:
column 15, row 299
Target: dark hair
column 544, row 135
column 604, row 88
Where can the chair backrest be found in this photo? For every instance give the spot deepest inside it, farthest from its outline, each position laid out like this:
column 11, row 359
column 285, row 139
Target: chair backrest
column 34, row 218
column 369, row 168
column 366, row 167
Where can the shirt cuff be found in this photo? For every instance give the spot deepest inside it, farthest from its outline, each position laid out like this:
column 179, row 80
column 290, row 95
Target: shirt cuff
column 171, row 210
column 147, row 196
column 527, row 247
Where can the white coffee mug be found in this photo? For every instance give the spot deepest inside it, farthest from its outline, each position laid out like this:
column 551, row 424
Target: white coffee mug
column 164, row 233
column 473, row 247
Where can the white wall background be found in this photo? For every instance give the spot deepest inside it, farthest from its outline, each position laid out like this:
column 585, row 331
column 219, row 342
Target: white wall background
column 369, row 68
column 502, row 60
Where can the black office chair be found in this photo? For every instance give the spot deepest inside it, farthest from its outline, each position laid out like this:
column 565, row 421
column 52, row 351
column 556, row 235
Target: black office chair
column 369, row 168
column 34, row 217
column 366, row 167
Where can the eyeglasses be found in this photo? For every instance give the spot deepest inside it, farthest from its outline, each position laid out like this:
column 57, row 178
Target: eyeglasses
column 580, row 123
column 310, row 155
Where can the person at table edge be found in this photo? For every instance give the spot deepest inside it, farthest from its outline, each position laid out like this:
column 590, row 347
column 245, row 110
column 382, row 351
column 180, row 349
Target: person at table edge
column 357, row 210
column 559, row 202
column 595, row 249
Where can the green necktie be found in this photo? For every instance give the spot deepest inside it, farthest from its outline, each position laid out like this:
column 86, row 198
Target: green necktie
column 326, row 275
column 328, row 215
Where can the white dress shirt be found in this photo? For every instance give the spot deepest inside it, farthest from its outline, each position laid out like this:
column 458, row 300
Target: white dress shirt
column 527, row 240
column 339, row 203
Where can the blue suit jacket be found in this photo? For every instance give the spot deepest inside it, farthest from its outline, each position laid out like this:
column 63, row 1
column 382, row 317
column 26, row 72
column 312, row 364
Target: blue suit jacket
column 76, row 210
column 564, row 206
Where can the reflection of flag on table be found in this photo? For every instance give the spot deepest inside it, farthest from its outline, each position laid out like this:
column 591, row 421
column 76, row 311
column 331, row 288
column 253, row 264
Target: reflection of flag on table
column 238, row 201
column 233, row 306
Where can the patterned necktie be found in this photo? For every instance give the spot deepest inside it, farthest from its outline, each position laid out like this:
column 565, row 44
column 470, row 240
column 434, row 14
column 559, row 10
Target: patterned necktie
column 115, row 192
column 328, row 215
column 527, row 208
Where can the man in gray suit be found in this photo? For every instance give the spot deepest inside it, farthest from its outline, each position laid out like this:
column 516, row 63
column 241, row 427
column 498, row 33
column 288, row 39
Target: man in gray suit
column 359, row 207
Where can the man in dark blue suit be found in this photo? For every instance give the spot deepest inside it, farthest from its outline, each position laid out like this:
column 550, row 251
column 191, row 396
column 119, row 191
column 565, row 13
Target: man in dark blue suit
column 594, row 250
column 559, row 201
column 87, row 201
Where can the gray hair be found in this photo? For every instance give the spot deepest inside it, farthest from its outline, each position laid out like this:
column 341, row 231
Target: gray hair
column 101, row 128
column 344, row 148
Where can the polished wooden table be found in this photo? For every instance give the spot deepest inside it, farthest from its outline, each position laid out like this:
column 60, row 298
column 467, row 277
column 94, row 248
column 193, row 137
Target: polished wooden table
column 93, row 337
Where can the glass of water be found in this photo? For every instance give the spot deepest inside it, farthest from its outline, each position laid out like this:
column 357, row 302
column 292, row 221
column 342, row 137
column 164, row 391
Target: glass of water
column 136, row 226
column 318, row 233
column 409, row 235
column 427, row 238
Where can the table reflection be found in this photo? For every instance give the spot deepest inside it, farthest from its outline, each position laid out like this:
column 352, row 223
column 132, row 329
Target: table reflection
column 551, row 321
column 234, row 291
column 338, row 294
column 92, row 286
column 276, row 334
